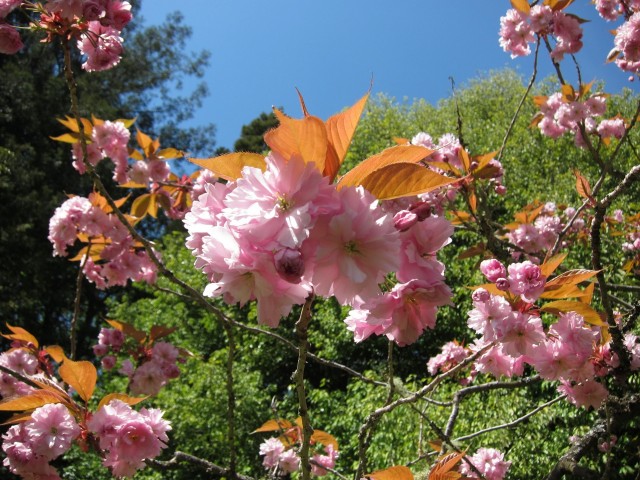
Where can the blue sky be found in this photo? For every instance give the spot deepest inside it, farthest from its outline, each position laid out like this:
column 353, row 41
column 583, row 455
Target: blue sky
column 331, row 49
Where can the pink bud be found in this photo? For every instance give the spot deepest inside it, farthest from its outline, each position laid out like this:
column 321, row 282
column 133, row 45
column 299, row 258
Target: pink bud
column 108, row 362
column 480, row 295
column 502, row 284
column 289, row 264
column 100, row 350
column 10, row 41
column 404, row 220
column 421, row 209
column 500, row 189
column 493, row 269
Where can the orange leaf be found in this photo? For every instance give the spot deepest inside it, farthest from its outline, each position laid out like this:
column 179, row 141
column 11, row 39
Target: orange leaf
column 465, row 159
column 274, row 426
column 549, row 266
column 473, row 201
column 399, row 472
column 572, row 277
column 141, row 205
column 590, row 315
column 81, row 376
column 30, row 402
column 67, row 138
column 17, row 418
column 521, row 5
column 230, row 165
column 491, row 288
column 122, row 397
column 324, row 438
column 582, row 185
column 403, row 180
column 144, row 141
column 401, row 141
column 56, row 352
column 389, row 156
column 169, row 153
column 563, row 291
column 20, row 334
column 477, row 249
column 443, row 468
column 340, row 130
column 588, row 294
column 128, row 330
column 305, row 138
column 557, row 5
column 568, row 93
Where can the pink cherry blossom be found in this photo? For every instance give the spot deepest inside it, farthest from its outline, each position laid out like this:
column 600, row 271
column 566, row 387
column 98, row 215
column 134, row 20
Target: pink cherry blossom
column 326, row 461
column 271, row 448
column 489, row 461
column 586, row 394
column 493, row 269
column 526, row 280
column 52, row 430
column 102, row 46
column 7, row 6
column 352, row 250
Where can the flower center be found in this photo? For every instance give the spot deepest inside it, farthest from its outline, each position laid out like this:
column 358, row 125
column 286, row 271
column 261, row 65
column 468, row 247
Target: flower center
column 351, row 247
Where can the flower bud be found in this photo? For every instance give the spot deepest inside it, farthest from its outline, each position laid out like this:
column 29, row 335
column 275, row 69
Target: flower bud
column 503, row 284
column 289, row 264
column 404, row 220
column 480, row 295
column 421, row 209
column 493, row 269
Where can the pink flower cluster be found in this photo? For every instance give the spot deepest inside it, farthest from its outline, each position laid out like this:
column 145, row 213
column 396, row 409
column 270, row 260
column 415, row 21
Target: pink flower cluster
column 153, row 368
column 120, row 260
column 560, row 116
column 447, row 150
column 127, row 437
column 541, row 234
column 569, row 351
column 97, row 24
column 627, row 42
column 31, row 445
column 518, row 30
column 452, row 354
column 285, row 459
column 21, row 361
column 278, row 235
column 489, row 462
column 109, row 140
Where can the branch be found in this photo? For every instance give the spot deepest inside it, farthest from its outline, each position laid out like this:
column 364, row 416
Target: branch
column 302, row 326
column 208, row 467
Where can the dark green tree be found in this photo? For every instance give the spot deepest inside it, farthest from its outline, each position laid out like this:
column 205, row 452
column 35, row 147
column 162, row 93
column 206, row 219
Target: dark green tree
column 251, row 138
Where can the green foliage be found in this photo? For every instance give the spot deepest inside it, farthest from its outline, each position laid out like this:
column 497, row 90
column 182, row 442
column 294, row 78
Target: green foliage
column 251, row 138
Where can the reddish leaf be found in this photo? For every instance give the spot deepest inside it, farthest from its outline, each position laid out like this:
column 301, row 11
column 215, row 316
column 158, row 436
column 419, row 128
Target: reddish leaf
column 81, row 376
column 17, row 418
column 399, row 472
column 129, row 330
column 230, row 165
column 582, row 185
column 443, row 468
column 159, row 331
column 590, row 315
column 122, row 397
column 20, row 334
column 402, row 180
column 477, row 249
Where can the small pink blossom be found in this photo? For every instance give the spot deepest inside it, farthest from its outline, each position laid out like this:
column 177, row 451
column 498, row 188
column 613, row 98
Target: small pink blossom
column 102, row 46
column 489, row 462
column 271, row 448
column 586, row 394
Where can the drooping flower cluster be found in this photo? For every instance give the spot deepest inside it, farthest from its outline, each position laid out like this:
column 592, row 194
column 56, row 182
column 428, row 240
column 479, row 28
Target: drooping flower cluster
column 278, row 235
column 626, row 49
column 19, row 360
column 519, row 29
column 114, row 258
column 281, row 458
column 149, row 364
column 128, row 437
column 489, row 462
column 452, row 354
column 539, row 234
column 31, row 445
column 96, row 24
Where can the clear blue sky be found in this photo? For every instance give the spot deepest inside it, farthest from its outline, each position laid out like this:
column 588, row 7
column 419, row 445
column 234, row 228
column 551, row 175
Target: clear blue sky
column 330, row 49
